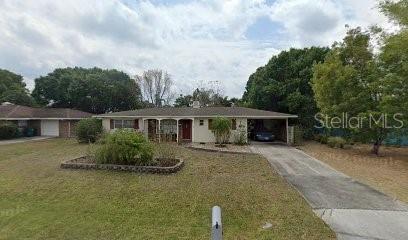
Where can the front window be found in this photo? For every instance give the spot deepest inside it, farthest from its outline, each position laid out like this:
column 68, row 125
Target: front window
column 118, row 124
column 123, row 123
column 127, row 123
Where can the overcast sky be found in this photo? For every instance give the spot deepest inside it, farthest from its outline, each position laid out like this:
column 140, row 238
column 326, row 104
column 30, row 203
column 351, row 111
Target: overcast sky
column 200, row 43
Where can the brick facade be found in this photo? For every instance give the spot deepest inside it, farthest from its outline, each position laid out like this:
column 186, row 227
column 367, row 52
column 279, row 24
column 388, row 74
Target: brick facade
column 67, row 128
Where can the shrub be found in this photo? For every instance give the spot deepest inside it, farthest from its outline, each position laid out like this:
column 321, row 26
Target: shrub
column 298, row 135
column 125, row 147
column 221, row 128
column 241, row 135
column 88, row 130
column 336, row 142
column 321, row 138
column 8, row 131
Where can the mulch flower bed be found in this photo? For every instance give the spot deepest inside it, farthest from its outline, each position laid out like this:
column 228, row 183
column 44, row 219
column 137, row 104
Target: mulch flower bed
column 160, row 165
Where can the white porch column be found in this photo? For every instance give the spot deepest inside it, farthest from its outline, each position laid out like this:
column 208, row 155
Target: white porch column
column 69, row 128
column 159, row 131
column 177, row 135
column 192, row 130
column 145, row 129
column 287, row 131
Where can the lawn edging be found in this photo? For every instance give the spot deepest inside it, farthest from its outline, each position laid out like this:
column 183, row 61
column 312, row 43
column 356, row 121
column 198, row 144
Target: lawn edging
column 74, row 164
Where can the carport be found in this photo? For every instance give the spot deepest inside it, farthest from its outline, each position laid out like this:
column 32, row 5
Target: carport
column 278, row 126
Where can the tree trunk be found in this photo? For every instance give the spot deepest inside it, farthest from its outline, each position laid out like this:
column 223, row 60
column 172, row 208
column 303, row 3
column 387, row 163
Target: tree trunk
column 376, row 147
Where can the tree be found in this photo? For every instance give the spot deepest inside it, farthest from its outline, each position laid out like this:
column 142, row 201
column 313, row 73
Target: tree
column 92, row 90
column 183, row 101
column 206, row 97
column 349, row 82
column 156, row 86
column 393, row 60
column 13, row 89
column 283, row 85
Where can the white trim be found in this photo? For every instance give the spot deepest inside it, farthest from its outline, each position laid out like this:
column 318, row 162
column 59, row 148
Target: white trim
column 186, row 117
column 11, row 119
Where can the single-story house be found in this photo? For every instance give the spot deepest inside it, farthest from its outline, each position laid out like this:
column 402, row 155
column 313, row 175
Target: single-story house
column 58, row 122
column 193, row 124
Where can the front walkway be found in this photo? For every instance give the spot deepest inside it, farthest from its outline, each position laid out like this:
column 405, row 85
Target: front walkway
column 21, row 140
column 352, row 209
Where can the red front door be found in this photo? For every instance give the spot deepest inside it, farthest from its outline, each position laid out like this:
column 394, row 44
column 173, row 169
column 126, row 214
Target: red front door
column 186, row 129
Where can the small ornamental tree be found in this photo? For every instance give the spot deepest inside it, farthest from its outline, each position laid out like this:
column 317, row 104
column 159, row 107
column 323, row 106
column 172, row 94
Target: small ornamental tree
column 221, row 128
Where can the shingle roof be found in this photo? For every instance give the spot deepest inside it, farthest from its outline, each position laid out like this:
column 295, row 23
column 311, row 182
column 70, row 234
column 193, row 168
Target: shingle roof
column 11, row 111
column 198, row 112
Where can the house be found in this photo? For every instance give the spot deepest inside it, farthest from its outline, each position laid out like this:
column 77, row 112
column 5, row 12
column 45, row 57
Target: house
column 58, row 122
column 193, row 124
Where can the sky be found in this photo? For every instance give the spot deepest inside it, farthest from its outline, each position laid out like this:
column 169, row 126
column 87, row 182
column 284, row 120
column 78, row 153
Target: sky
column 200, row 43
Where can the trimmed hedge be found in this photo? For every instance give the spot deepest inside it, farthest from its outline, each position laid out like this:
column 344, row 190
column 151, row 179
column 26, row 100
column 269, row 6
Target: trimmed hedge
column 8, row 131
column 88, row 130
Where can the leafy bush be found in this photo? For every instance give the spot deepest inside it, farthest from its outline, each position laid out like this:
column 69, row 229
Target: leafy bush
column 241, row 135
column 8, row 131
column 336, row 142
column 221, row 128
column 298, row 135
column 88, row 130
column 321, row 138
column 125, row 147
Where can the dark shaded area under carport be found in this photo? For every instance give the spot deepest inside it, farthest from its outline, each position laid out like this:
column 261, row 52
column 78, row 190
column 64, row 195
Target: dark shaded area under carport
column 275, row 126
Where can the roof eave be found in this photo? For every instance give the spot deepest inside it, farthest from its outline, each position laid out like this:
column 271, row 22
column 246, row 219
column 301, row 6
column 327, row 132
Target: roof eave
column 236, row 116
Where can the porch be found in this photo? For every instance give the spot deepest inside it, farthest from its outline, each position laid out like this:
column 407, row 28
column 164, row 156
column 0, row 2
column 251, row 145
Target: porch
column 169, row 129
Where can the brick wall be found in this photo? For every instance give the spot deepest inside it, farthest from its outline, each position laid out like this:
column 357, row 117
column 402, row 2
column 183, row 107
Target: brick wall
column 67, row 128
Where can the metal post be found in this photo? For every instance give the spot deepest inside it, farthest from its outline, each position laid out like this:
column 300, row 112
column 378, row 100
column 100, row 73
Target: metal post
column 216, row 226
column 287, row 131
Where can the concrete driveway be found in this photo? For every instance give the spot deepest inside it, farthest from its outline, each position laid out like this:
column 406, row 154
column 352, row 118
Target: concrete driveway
column 352, row 209
column 23, row 139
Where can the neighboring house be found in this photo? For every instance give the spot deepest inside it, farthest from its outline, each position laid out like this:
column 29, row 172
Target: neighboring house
column 58, row 122
column 193, row 124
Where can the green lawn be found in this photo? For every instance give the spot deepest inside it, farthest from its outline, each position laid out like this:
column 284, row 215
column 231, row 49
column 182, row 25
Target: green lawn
column 41, row 201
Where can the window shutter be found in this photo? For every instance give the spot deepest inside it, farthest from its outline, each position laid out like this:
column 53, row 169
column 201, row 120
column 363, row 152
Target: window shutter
column 233, row 124
column 136, row 124
column 111, row 124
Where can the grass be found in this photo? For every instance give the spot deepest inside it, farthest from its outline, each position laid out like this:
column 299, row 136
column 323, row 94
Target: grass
column 41, row 201
column 387, row 173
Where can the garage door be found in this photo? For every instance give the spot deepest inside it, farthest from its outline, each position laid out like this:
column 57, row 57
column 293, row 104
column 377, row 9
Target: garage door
column 49, row 128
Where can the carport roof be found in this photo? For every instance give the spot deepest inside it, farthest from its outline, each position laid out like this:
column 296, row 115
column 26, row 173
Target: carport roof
column 199, row 112
column 11, row 112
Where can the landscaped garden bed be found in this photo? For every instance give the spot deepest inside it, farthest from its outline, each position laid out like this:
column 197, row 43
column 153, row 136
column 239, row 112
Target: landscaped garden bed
column 159, row 166
column 124, row 150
